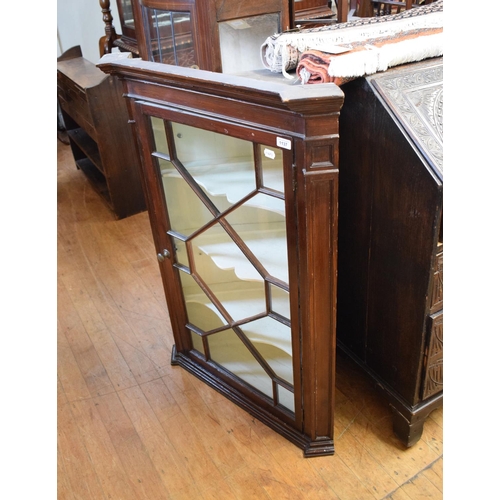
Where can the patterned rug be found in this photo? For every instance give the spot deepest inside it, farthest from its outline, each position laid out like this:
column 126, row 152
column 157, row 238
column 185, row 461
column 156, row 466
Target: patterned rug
column 341, row 52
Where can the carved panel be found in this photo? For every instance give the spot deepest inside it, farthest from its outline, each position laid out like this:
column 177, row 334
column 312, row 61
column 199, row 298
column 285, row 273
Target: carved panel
column 415, row 95
column 433, row 380
column 437, row 285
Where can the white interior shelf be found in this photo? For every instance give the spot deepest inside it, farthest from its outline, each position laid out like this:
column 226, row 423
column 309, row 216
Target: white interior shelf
column 267, row 244
column 235, row 180
column 240, row 302
column 270, row 337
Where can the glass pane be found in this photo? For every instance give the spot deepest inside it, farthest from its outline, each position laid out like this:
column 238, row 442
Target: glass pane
column 260, row 208
column 161, row 28
column 273, row 340
column 170, row 37
column 241, row 41
column 230, row 352
column 160, row 137
column 286, row 398
column 280, row 301
column 197, row 343
column 231, row 276
column 222, row 165
column 272, row 168
column 185, row 209
column 181, row 254
column 200, row 310
column 128, row 13
column 184, row 48
column 260, row 223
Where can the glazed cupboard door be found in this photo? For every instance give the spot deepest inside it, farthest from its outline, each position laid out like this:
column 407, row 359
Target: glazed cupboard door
column 224, row 251
column 171, row 36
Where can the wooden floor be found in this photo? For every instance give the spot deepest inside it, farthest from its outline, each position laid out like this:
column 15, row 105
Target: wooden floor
column 133, row 427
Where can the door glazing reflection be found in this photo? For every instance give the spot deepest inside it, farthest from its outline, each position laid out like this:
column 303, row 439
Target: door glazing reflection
column 170, row 37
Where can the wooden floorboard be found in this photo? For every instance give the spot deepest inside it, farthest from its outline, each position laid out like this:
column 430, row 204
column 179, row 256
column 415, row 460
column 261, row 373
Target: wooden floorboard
column 133, row 427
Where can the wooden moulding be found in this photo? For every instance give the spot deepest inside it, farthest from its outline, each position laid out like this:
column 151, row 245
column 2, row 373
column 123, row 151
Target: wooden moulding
column 322, row 99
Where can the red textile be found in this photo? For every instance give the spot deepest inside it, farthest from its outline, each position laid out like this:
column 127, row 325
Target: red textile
column 317, row 63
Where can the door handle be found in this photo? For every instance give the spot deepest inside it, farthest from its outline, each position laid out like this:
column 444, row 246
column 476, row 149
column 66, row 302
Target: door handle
column 165, row 254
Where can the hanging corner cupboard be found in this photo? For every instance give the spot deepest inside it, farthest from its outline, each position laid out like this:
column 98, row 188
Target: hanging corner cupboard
column 241, row 179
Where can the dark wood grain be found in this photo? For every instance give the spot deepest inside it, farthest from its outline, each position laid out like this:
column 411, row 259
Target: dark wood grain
column 390, row 248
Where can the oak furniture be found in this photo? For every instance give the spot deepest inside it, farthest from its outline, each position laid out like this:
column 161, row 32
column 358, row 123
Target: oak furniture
column 320, row 12
column 307, row 10
column 96, row 122
column 70, row 53
column 241, row 185
column 390, row 284
column 128, row 14
column 110, row 38
column 371, row 8
column 216, row 35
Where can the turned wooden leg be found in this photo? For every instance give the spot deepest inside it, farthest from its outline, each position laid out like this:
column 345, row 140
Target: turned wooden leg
column 106, row 41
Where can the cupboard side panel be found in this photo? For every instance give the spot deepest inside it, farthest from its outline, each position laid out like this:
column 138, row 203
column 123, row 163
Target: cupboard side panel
column 117, row 147
column 405, row 205
column 355, row 200
column 318, row 276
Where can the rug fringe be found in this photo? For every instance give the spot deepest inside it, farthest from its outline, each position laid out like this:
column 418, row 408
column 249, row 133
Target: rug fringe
column 374, row 59
column 281, row 52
